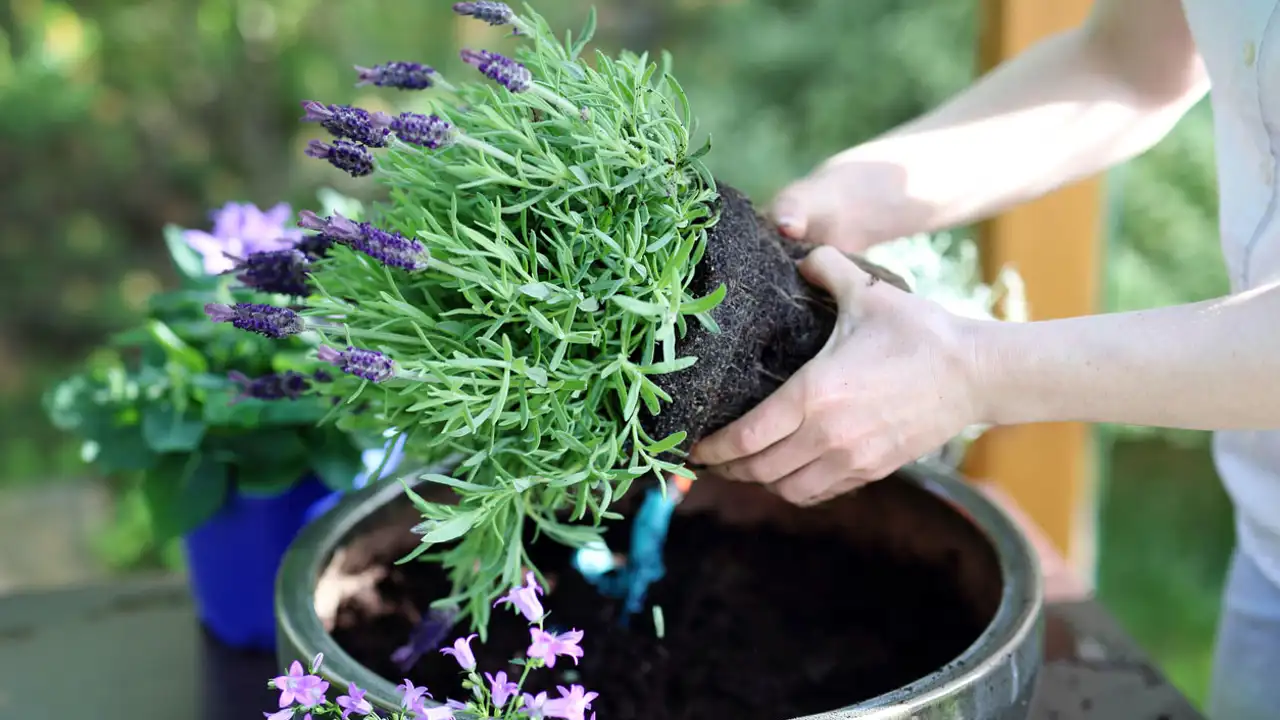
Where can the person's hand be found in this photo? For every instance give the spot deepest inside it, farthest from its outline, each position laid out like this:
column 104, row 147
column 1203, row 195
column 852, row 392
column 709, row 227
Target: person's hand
column 893, row 383
column 849, row 202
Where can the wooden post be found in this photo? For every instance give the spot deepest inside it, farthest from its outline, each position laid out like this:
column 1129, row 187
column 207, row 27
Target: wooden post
column 1054, row 242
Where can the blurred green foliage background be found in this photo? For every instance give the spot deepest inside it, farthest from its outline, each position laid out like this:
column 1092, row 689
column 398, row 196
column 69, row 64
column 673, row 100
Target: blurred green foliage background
column 118, row 116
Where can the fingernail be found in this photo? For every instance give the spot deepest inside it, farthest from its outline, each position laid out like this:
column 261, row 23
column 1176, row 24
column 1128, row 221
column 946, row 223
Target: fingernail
column 789, row 224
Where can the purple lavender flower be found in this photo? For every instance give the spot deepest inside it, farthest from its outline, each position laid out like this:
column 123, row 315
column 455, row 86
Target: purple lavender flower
column 299, row 687
column 572, row 703
column 355, row 124
column 354, row 702
column 286, row 714
column 287, row 385
column 429, row 131
column 397, row 74
column 461, row 651
column 315, row 247
column 500, row 688
column 238, row 230
column 545, row 647
column 500, row 69
column 350, row 157
column 494, row 13
column 276, row 271
column 370, row 365
column 266, row 320
column 389, row 248
column 525, row 599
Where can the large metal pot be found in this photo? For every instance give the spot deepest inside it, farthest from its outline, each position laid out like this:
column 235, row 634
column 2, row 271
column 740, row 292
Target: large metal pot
column 927, row 512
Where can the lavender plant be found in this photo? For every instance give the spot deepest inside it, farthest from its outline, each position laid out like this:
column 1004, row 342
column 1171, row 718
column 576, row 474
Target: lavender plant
column 194, row 409
column 494, row 697
column 512, row 301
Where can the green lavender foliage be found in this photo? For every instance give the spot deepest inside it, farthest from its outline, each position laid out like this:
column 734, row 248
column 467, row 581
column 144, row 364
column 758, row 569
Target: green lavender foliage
column 564, row 226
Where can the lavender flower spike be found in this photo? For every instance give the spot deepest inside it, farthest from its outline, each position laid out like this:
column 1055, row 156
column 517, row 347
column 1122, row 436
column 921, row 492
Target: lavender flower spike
column 287, row 385
column 266, row 320
column 389, row 248
column 350, row 157
column 370, row 365
column 429, row 131
column 500, row 69
column 276, row 271
column 494, row 13
column 352, row 123
column 397, row 74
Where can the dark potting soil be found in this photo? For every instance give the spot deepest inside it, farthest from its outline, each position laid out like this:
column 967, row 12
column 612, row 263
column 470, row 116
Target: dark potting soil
column 772, row 322
column 760, row 624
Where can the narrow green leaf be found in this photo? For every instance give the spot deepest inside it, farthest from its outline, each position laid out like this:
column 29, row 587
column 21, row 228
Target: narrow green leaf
column 648, row 310
column 439, row 531
column 663, row 368
column 669, row 442
column 705, row 303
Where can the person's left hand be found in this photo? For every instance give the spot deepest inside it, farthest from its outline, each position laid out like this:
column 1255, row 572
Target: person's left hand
column 893, row 383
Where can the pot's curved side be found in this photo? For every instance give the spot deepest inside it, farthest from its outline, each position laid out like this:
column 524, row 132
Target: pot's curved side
column 992, row 680
column 300, row 634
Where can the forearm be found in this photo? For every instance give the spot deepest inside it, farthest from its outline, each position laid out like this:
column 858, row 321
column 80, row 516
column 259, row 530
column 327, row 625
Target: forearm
column 1212, row 365
column 1062, row 111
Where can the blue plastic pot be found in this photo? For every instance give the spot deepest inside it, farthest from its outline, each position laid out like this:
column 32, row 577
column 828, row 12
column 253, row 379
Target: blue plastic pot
column 232, row 561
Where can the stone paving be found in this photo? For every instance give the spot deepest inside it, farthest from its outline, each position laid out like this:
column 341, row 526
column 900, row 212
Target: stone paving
column 47, row 533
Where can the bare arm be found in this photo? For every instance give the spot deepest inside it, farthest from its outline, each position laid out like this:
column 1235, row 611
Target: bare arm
column 1073, row 105
column 1211, row 365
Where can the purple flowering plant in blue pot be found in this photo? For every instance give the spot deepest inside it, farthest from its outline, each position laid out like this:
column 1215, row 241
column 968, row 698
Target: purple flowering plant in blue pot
column 222, row 429
column 555, row 291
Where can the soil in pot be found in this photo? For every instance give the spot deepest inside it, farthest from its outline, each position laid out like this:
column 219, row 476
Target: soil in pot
column 760, row 622
column 771, row 322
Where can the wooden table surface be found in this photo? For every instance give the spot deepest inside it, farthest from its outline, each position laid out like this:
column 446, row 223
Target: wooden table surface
column 134, row 650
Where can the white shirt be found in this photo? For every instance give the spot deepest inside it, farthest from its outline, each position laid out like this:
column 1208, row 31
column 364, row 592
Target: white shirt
column 1239, row 41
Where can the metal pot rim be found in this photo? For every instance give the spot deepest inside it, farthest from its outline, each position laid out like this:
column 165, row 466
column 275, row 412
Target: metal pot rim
column 1017, row 617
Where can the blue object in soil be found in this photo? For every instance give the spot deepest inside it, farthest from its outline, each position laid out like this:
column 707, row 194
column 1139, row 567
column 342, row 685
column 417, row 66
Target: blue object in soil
column 644, row 563
column 232, row 561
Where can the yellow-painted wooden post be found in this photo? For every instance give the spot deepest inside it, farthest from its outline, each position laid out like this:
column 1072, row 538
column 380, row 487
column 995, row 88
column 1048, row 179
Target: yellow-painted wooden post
column 1055, row 243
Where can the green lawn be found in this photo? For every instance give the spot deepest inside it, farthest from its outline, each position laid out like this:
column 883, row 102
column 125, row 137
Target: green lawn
column 1165, row 538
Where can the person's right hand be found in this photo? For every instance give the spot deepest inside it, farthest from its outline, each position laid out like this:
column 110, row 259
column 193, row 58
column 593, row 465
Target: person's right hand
column 848, row 202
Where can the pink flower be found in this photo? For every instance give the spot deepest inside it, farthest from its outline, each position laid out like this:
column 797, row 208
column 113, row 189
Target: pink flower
column 461, row 651
column 354, row 702
column 500, row 688
column 546, row 647
column 306, row 690
column 439, row 712
column 412, row 697
column 571, row 705
column 533, row 705
column 525, row 599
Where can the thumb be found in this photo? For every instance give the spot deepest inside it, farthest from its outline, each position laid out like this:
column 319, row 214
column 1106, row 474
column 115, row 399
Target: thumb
column 854, row 289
